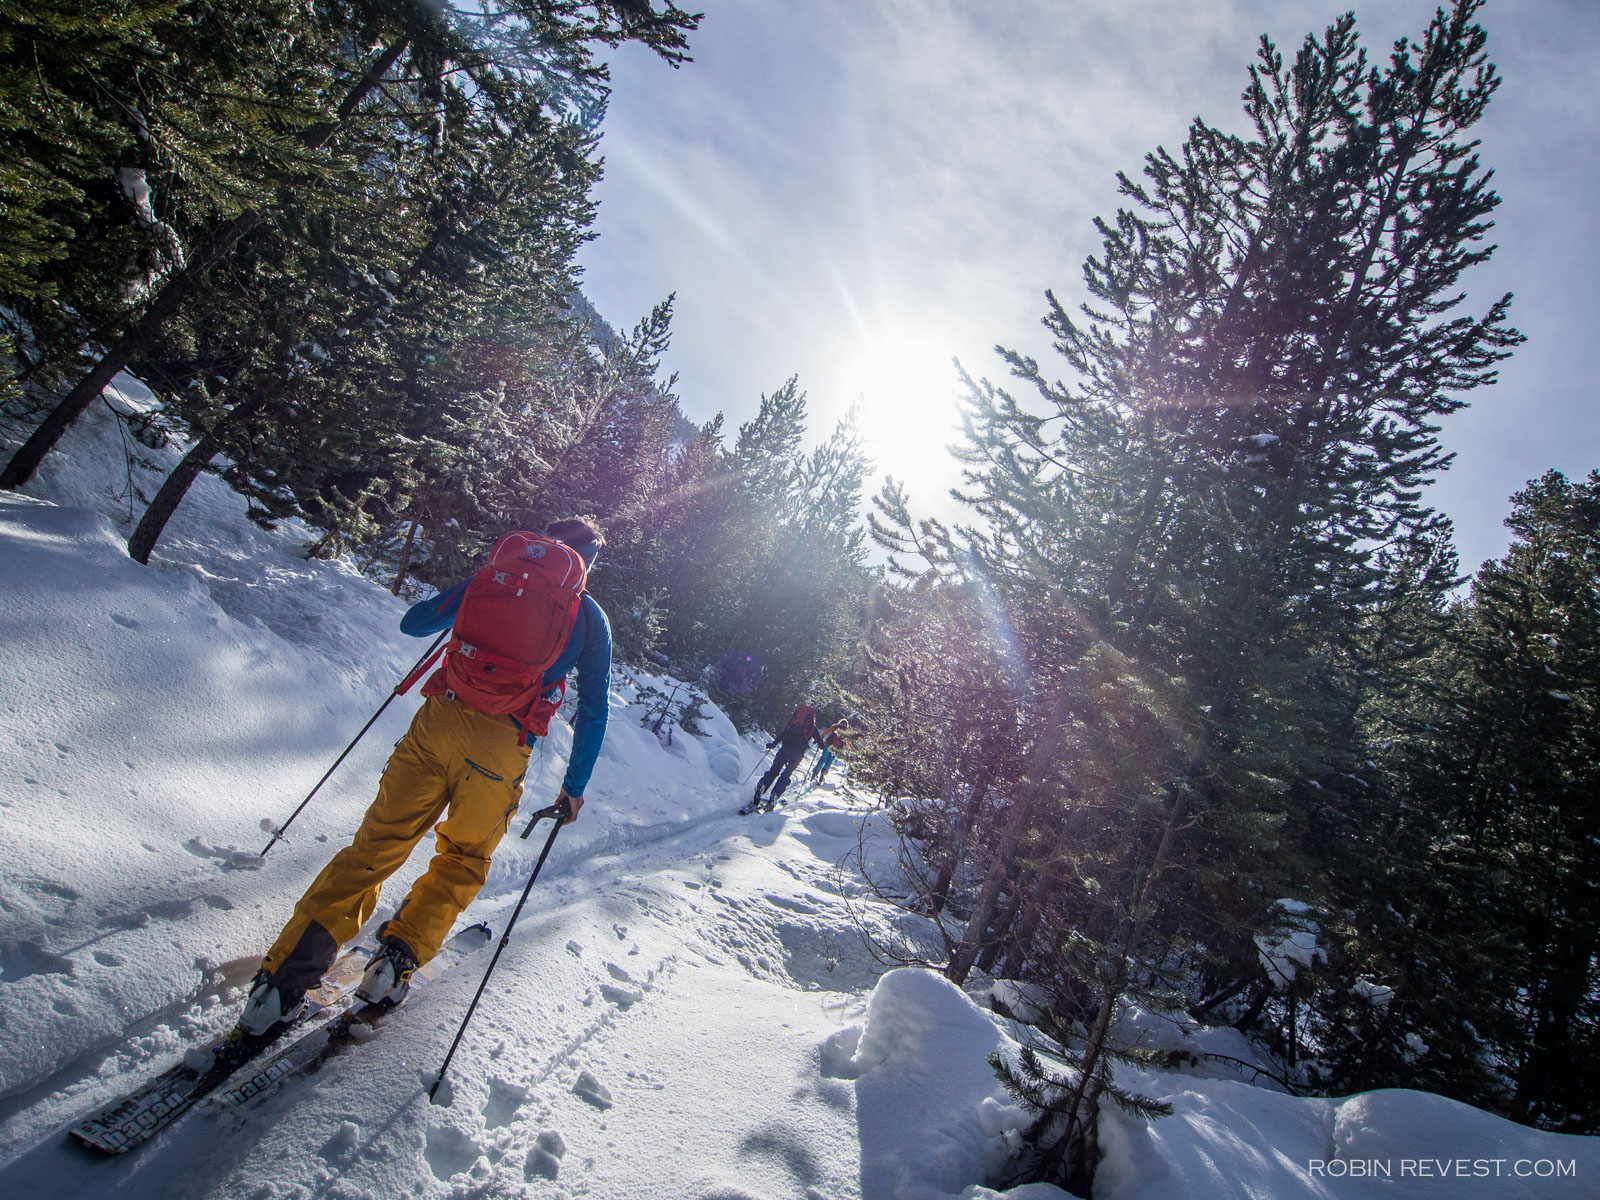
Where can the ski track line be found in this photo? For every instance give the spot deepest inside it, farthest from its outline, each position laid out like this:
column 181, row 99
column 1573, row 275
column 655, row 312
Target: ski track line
column 524, row 1128
column 186, row 1136
column 615, row 844
column 82, row 1070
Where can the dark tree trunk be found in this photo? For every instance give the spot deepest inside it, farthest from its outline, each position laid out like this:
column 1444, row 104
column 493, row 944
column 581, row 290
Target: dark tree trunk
column 1263, row 993
column 169, row 496
column 1565, row 982
column 128, row 347
column 983, row 912
column 1033, row 787
column 405, row 556
column 177, row 484
column 940, row 891
column 1199, row 1011
column 999, row 935
column 1021, row 943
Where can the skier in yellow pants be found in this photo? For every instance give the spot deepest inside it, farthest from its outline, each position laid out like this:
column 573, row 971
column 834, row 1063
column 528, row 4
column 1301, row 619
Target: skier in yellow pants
column 455, row 761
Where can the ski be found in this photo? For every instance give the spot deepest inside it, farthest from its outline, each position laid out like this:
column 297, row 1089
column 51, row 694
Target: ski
column 307, row 1053
column 146, row 1111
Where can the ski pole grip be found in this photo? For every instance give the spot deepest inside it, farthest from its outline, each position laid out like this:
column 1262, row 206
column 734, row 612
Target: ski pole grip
column 557, row 812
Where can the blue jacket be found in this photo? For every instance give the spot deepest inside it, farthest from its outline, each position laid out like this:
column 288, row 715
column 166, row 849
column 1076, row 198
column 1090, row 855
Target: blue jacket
column 588, row 649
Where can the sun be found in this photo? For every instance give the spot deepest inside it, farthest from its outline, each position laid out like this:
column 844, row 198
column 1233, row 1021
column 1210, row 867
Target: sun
column 906, row 387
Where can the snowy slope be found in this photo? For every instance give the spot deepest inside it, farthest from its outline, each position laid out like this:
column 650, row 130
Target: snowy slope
column 686, row 1008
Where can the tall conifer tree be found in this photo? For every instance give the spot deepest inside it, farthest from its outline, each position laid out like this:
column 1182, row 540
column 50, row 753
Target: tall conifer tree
column 1470, row 961
column 1214, row 498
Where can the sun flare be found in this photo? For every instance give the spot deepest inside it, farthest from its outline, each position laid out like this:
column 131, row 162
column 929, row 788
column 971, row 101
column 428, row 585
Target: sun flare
column 906, row 387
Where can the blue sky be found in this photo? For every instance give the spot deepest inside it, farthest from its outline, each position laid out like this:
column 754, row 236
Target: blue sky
column 858, row 191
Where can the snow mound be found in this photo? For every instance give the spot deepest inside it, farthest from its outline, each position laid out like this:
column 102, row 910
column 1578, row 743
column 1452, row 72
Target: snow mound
column 726, row 763
column 934, row 1120
column 592, row 1090
column 835, row 824
column 1231, row 1139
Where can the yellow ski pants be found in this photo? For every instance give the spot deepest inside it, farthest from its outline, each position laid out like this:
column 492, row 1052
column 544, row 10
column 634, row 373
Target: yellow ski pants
column 454, row 761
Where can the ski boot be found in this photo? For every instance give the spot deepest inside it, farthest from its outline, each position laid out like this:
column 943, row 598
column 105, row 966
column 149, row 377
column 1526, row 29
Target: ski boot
column 388, row 976
column 269, row 1005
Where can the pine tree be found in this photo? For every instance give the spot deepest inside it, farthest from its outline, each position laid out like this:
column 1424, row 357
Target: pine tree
column 127, row 128
column 760, row 559
column 1536, row 646
column 545, row 46
column 376, row 336
column 940, row 687
column 1474, row 899
column 1192, row 539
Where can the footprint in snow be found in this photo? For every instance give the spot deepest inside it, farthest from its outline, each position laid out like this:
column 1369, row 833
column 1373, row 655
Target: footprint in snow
column 343, row 1143
column 231, row 858
column 591, row 1089
column 788, row 902
column 22, row 959
column 623, row 998
column 544, row 1159
column 59, row 891
column 169, row 910
column 776, row 1141
column 505, row 1098
column 449, row 1152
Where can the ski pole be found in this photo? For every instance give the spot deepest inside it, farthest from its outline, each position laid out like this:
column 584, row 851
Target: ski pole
column 558, row 813
column 400, row 689
column 753, row 770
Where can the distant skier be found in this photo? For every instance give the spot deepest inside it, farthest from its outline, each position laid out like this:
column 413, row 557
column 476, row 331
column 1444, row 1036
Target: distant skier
column 791, row 747
column 834, row 743
column 518, row 626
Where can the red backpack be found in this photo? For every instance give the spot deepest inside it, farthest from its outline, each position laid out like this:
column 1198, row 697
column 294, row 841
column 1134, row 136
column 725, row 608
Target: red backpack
column 806, row 718
column 512, row 624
